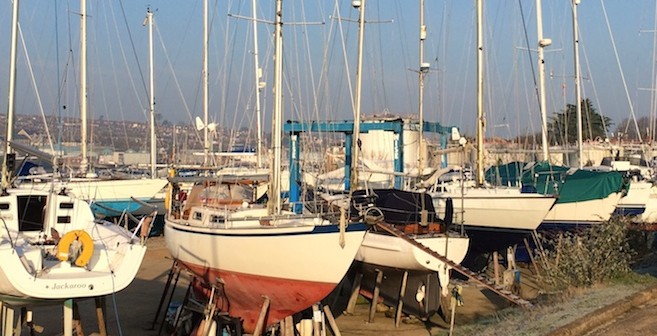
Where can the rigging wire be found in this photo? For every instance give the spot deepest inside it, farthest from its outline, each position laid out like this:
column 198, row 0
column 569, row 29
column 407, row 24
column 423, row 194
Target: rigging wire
column 620, row 67
column 36, row 89
column 411, row 81
column 173, row 72
column 134, row 50
column 529, row 56
column 116, row 84
column 58, row 74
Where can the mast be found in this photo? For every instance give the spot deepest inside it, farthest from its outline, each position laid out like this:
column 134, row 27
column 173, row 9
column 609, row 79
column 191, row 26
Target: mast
column 578, row 91
column 542, row 43
column 424, row 68
column 84, row 164
column 149, row 21
column 206, row 142
column 275, row 182
column 259, row 85
column 480, row 94
column 11, row 95
column 359, row 85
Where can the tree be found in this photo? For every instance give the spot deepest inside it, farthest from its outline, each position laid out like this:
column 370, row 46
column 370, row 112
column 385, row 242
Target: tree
column 563, row 125
column 627, row 130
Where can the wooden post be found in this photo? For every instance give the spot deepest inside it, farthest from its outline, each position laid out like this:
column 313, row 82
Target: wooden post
column 77, row 321
column 68, row 317
column 375, row 296
column 451, row 319
column 332, row 323
column 22, row 322
column 511, row 257
column 281, row 328
column 400, row 303
column 8, row 319
column 355, row 290
column 261, row 318
column 100, row 315
column 18, row 326
column 556, row 262
column 496, row 267
column 306, row 327
column 531, row 257
column 34, row 329
column 289, row 326
column 317, row 320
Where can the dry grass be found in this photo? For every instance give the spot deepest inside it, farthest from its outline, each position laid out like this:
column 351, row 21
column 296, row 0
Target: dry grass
column 583, row 271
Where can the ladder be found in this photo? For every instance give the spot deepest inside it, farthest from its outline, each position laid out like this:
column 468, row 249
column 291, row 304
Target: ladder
column 490, row 285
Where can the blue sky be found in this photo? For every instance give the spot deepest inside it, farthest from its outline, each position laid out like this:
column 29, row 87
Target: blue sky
column 320, row 59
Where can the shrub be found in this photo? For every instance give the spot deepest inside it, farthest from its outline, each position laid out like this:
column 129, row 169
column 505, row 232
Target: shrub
column 587, row 257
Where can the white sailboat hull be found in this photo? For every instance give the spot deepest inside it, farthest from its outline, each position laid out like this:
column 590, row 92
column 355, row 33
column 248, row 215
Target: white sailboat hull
column 496, row 209
column 581, row 213
column 106, row 190
column 650, row 214
column 293, row 261
column 634, row 203
column 386, row 250
column 30, row 273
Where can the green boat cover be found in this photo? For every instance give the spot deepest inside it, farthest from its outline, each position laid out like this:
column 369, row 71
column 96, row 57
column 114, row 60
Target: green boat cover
column 505, row 175
column 572, row 185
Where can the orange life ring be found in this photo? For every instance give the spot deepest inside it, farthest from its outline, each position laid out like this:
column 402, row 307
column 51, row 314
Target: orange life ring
column 64, row 246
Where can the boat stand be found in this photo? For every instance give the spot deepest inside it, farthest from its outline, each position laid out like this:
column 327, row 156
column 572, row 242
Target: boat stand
column 173, row 277
column 490, row 285
column 315, row 326
column 355, row 291
column 261, row 318
column 400, row 303
column 8, row 320
column 375, row 295
column 213, row 320
column 12, row 326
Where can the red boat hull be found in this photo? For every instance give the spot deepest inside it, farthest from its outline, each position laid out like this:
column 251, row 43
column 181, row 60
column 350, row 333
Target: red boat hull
column 242, row 295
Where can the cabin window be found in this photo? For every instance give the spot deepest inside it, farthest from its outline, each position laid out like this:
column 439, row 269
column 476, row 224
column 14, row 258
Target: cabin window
column 4, row 206
column 198, row 216
column 66, row 205
column 216, row 219
column 30, row 212
column 63, row 219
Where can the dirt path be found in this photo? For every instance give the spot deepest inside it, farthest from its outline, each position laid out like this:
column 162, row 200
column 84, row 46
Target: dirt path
column 637, row 321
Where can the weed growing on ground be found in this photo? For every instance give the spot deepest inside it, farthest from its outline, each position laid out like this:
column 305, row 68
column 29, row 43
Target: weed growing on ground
column 586, row 257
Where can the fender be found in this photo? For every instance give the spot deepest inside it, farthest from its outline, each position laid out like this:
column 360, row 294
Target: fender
column 84, row 238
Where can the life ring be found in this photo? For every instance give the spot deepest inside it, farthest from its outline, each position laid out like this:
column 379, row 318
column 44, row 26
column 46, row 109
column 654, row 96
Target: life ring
column 84, row 238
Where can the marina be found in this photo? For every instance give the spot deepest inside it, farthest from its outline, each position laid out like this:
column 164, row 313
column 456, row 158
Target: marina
column 324, row 207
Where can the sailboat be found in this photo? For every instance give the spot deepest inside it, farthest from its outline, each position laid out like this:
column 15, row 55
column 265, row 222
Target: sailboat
column 110, row 197
column 51, row 247
column 585, row 197
column 385, row 262
column 493, row 217
column 262, row 256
